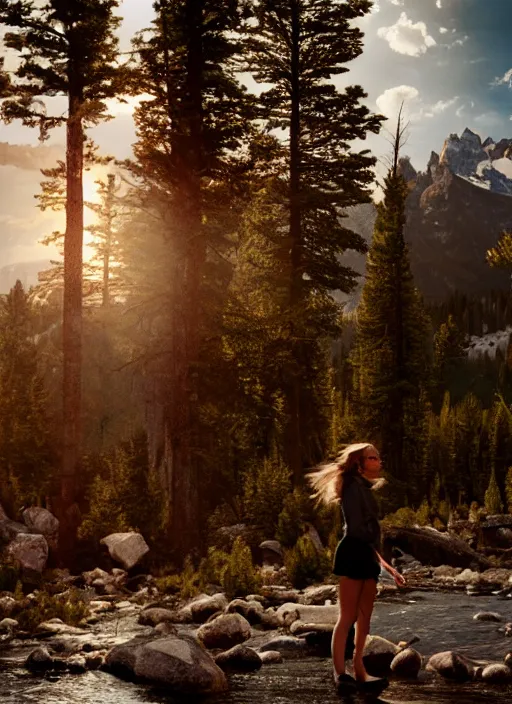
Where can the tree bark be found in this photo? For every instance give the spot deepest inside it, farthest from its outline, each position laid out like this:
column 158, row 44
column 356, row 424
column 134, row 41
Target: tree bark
column 72, row 331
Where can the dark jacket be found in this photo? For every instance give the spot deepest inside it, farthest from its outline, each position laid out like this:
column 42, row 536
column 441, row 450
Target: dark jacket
column 360, row 510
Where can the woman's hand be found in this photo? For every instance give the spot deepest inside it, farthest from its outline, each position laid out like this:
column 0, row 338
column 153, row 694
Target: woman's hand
column 399, row 578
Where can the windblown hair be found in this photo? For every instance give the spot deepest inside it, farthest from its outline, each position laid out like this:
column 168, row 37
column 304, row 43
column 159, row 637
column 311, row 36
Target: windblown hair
column 327, row 480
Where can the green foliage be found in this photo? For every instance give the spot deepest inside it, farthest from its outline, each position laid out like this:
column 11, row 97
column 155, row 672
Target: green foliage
column 423, row 513
column 405, row 517
column 390, row 356
column 186, row 583
column 493, row 503
column 297, row 511
column 501, row 254
column 508, row 489
column 238, row 576
column 264, row 492
column 71, row 607
column 305, row 564
column 443, row 511
column 27, row 458
column 124, row 495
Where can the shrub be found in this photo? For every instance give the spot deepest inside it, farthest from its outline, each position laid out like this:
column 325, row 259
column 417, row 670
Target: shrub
column 186, row 583
column 474, row 512
column 492, row 501
column 405, row 517
column 239, row 576
column 297, row 511
column 264, row 491
column 423, row 513
column 304, row 564
column 125, row 495
column 71, row 607
column 443, row 511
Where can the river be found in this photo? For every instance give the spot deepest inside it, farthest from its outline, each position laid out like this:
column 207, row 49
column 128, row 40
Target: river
column 443, row 621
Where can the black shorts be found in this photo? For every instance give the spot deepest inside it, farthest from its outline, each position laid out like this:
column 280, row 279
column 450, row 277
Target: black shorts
column 356, row 559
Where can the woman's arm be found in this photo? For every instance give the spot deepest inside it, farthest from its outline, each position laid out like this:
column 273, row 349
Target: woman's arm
column 399, row 578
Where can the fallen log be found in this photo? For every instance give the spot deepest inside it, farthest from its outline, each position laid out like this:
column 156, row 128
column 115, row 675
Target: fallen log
column 432, row 548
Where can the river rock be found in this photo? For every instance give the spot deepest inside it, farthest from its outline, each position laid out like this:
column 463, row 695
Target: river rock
column 41, row 522
column 272, row 552
column 452, row 666
column 204, row 606
column 250, row 610
column 288, row 613
column 378, row 654
column 224, row 631
column 496, row 672
column 10, row 529
column 318, row 595
column 55, row 626
column 468, row 576
column 8, row 625
column 288, row 646
column 91, row 576
column 298, row 628
column 270, row 657
column 39, row 660
column 241, row 658
column 154, row 616
column 7, row 604
column 446, row 573
column 29, row 551
column 406, row 664
column 165, row 629
column 126, row 548
column 279, row 595
column 487, row 616
column 177, row 662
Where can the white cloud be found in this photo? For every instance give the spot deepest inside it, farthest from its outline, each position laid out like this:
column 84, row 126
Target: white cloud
column 460, row 42
column 407, row 37
column 396, row 2
column 442, row 30
column 439, row 4
column 505, row 80
column 415, row 109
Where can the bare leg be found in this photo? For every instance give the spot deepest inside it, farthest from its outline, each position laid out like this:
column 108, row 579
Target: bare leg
column 364, row 616
column 349, row 592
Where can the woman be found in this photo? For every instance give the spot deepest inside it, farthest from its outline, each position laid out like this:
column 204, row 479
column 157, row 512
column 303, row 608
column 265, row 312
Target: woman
column 350, row 480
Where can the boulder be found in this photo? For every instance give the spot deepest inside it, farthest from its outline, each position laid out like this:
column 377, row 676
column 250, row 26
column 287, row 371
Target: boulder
column 487, row 616
column 180, row 663
column 289, row 612
column 319, row 595
column 29, row 551
column 224, row 631
column 378, row 654
column 272, row 552
column 250, row 610
column 39, row 660
column 279, row 595
column 241, row 658
column 406, row 664
column 289, row 647
column 270, row 657
column 41, row 522
column 7, row 604
column 10, row 530
column 497, row 673
column 204, row 606
column 451, row 666
column 154, row 616
column 126, row 548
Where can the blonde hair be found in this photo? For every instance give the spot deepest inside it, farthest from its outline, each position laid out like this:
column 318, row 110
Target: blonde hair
column 327, row 481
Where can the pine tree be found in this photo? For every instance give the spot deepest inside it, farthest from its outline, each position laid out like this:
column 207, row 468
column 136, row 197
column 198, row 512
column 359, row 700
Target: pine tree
column 449, row 357
column 26, row 454
column 391, row 337
column 190, row 131
column 67, row 48
column 493, row 502
column 298, row 46
column 500, row 256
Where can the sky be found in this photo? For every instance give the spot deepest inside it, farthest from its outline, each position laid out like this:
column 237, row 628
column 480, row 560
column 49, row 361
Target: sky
column 450, row 61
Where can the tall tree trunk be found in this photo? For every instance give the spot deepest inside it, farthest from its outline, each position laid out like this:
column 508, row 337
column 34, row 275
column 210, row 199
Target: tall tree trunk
column 109, row 216
column 294, row 450
column 72, row 330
